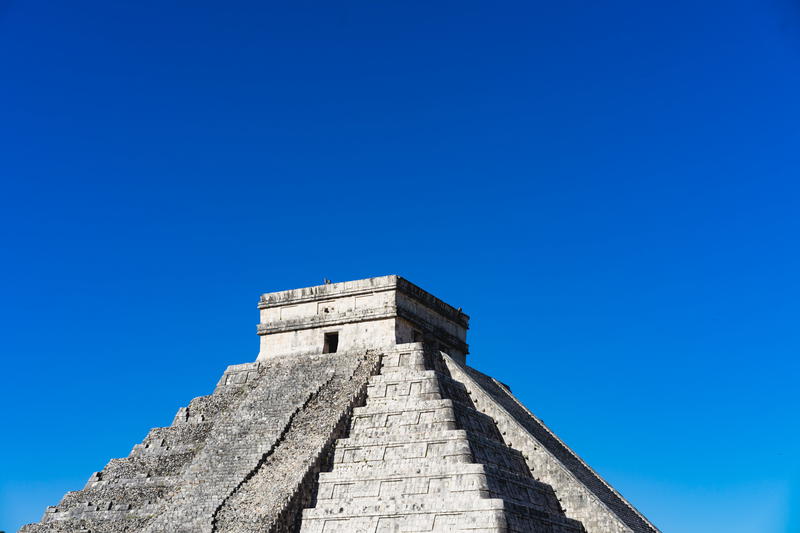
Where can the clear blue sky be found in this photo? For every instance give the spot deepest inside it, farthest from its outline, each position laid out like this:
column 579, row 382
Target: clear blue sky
column 609, row 189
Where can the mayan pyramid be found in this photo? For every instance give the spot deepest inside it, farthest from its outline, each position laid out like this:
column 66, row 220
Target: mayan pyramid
column 359, row 415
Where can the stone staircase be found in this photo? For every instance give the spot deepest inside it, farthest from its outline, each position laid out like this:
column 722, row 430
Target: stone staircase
column 420, row 457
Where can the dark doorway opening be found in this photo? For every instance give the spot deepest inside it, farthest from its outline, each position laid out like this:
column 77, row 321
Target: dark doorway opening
column 331, row 343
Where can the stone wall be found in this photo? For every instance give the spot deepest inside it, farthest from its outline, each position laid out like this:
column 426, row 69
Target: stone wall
column 374, row 313
column 271, row 498
column 364, row 335
column 181, row 476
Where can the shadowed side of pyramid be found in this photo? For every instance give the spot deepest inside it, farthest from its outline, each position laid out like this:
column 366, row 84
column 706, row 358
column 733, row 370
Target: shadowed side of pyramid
column 582, row 492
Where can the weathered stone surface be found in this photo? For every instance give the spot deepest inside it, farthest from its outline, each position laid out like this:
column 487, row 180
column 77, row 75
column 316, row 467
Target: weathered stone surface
column 584, row 495
column 366, row 313
column 389, row 431
column 273, row 495
column 179, row 477
column 409, row 465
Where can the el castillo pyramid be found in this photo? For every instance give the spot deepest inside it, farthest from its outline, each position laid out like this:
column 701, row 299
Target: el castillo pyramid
column 359, row 415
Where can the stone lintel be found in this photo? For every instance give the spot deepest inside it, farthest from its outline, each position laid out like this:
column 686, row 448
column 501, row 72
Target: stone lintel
column 325, row 321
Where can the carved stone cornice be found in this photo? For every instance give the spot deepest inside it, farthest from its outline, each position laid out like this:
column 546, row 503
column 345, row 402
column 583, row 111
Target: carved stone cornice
column 322, row 321
column 364, row 287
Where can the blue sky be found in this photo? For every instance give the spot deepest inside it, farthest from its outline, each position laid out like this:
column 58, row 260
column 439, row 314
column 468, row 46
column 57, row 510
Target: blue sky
column 609, row 189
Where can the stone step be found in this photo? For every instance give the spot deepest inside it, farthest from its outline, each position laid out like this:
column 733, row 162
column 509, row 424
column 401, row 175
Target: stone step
column 431, row 412
column 132, row 495
column 387, row 469
column 191, row 437
column 414, row 392
column 501, row 482
column 139, row 482
column 362, row 480
column 402, row 404
column 404, row 359
column 442, row 444
column 399, row 481
column 426, row 387
column 406, row 488
column 420, row 514
column 140, row 450
column 527, row 519
column 475, row 421
column 400, row 370
column 396, row 427
column 403, row 435
column 402, row 444
column 454, row 390
column 352, row 509
column 486, row 450
column 407, row 374
column 491, row 452
column 400, row 437
column 176, row 435
column 415, row 465
column 521, row 489
column 146, row 466
column 101, row 512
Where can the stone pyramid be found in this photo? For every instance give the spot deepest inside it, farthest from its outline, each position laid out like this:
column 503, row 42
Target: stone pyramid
column 359, row 415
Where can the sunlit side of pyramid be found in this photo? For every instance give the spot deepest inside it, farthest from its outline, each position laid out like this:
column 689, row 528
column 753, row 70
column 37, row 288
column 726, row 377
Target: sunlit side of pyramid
column 359, row 415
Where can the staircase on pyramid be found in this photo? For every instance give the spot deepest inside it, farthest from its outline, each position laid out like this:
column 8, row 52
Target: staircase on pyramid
column 420, row 457
column 359, row 415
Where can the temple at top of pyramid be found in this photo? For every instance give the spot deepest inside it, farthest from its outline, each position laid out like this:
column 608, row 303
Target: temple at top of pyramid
column 373, row 313
column 360, row 415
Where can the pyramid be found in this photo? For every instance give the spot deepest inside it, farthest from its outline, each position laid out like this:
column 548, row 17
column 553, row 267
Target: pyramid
column 359, row 415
